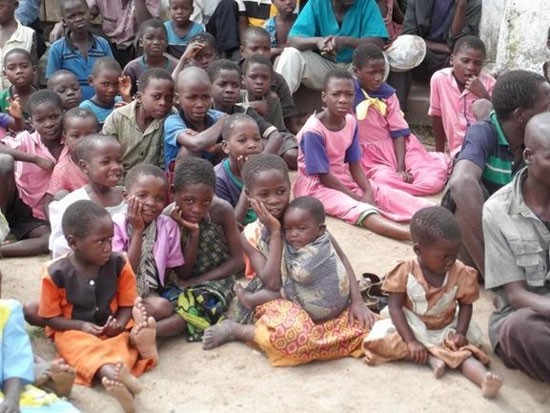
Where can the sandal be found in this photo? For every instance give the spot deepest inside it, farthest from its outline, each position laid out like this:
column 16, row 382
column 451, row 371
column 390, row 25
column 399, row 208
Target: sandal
column 370, row 286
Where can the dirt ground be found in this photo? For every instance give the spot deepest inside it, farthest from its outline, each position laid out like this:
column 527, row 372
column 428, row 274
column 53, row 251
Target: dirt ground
column 238, row 378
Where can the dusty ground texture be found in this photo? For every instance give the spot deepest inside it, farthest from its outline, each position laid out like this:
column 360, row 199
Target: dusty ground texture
column 238, row 378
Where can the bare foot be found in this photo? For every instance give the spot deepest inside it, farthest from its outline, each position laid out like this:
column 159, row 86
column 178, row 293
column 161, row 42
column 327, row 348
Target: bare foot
column 138, row 311
column 243, row 296
column 42, row 371
column 491, row 385
column 218, row 334
column 121, row 393
column 143, row 336
column 437, row 365
column 125, row 377
column 62, row 376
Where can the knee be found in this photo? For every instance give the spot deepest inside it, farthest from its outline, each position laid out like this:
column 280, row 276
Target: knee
column 30, row 312
column 7, row 164
column 158, row 308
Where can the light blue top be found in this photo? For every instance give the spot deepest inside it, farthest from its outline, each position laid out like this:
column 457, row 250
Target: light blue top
column 176, row 44
column 100, row 112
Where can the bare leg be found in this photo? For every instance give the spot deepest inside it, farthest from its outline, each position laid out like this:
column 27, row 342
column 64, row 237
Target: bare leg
column 35, row 243
column 169, row 323
column 291, row 159
column 107, row 374
column 143, row 337
column 383, row 226
column 251, row 299
column 490, row 383
column 225, row 332
column 437, row 365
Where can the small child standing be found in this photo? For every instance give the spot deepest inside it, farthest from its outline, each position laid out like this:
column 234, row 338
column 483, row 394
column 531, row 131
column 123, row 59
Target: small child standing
column 392, row 155
column 180, row 28
column 279, row 25
column 66, row 85
column 454, row 90
column 425, row 294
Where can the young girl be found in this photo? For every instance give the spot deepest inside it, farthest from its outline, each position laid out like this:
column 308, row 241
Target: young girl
column 329, row 145
column 425, row 294
column 86, row 301
column 283, row 329
column 392, row 155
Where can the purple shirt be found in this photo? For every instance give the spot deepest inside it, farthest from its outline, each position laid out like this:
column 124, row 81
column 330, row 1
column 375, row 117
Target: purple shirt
column 440, row 12
column 227, row 186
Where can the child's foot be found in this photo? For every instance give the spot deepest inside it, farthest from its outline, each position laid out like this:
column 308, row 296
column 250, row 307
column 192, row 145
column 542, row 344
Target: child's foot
column 138, row 311
column 243, row 296
column 437, row 365
column 218, row 334
column 125, row 377
column 62, row 376
column 119, row 391
column 143, row 337
column 491, row 385
column 42, row 371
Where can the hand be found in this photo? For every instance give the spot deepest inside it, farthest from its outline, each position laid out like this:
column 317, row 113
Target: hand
column 124, row 86
column 191, row 51
column 264, row 216
column 176, row 215
column 241, row 160
column 417, row 352
column 368, row 197
column 474, row 85
column 134, row 214
column 259, row 106
column 333, row 45
column 456, row 341
column 9, row 406
column 92, row 329
column 120, row 104
column 406, row 176
column 44, row 163
column 57, row 32
column 364, row 316
column 322, row 44
column 14, row 109
column 112, row 327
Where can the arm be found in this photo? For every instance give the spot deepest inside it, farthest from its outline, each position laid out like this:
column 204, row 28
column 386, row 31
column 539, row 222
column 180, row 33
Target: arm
column 435, row 47
column 359, row 176
column 273, row 142
column 18, row 155
column 520, row 297
column 459, row 19
column 64, row 324
column 399, row 147
column 463, row 322
column 197, row 142
column 242, row 207
column 330, row 181
column 307, row 43
column 439, row 133
column 48, row 198
column 135, row 219
column 346, row 42
column 142, row 12
column 12, row 388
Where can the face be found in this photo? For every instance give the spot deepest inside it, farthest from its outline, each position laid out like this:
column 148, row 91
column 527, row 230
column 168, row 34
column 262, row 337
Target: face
column 467, row 63
column 371, row 75
column 257, row 80
column 76, row 128
column 47, row 119
column 104, row 166
column 181, row 10
column 301, row 228
column 194, row 201
column 256, row 45
column 94, row 248
column 285, row 6
column 154, row 41
column 226, row 88
column 338, row 96
column 156, row 99
column 438, row 257
column 105, row 83
column 19, row 69
column 272, row 188
column 194, row 100
column 151, row 192
column 245, row 140
column 68, row 89
column 76, row 16
column 204, row 57
column 7, row 10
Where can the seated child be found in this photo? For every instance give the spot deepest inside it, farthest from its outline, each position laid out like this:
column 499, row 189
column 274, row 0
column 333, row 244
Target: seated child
column 79, row 49
column 152, row 243
column 66, row 85
column 180, row 28
column 454, row 90
column 108, row 83
column 424, row 325
column 139, row 126
column 329, row 167
column 279, row 25
column 241, row 138
column 196, row 129
column 86, row 301
column 26, row 167
column 153, row 39
column 200, row 52
column 392, row 155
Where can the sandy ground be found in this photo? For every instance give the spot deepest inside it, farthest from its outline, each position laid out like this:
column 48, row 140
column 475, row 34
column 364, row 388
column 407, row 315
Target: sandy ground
column 238, row 378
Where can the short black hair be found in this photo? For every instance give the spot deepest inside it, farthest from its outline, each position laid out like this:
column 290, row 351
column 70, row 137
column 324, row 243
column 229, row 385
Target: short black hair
column 232, row 121
column 432, row 224
column 515, row 89
column 85, row 147
column 254, row 31
column 215, row 68
column 336, row 74
column 311, row 205
column 144, row 169
column 257, row 59
column 106, row 63
column 80, row 217
column 192, row 170
column 261, row 163
column 64, row 3
column 43, row 96
column 152, row 24
column 366, row 52
column 18, row 50
column 79, row 113
column 205, row 38
column 469, row 42
column 57, row 74
column 151, row 74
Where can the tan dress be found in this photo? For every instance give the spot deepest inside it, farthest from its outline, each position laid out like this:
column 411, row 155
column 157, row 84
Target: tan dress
column 431, row 313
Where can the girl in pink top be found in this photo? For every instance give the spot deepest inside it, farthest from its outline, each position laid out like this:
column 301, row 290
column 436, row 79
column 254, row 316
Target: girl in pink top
column 392, row 155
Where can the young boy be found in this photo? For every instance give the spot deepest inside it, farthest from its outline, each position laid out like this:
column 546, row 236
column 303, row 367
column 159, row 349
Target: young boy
column 78, row 51
column 180, row 28
column 67, row 86
column 200, row 52
column 279, row 25
column 139, row 126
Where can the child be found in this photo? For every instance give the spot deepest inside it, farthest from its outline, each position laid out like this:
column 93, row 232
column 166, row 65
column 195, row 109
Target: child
column 180, row 28
column 200, row 52
column 78, row 51
column 86, row 301
column 453, row 91
column 66, row 85
column 329, row 145
column 153, row 39
column 241, row 138
column 108, row 83
column 425, row 294
column 279, row 25
column 99, row 157
column 26, row 173
column 391, row 154
column 139, row 126
column 196, row 129
column 151, row 241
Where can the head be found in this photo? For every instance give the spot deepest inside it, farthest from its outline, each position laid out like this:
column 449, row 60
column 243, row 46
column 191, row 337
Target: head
column 76, row 15
column 46, row 112
column 369, row 66
column 537, row 149
column 225, row 76
column 78, row 123
column 437, row 238
column 284, row 7
column 467, row 58
column 180, row 11
column 266, row 179
column 518, row 95
column 153, row 38
column 7, row 10
column 19, row 68
column 208, row 52
column 193, row 93
column 304, row 221
column 338, row 92
column 88, row 229
column 67, row 86
column 100, row 158
column 193, row 188
column 147, row 184
column 255, row 40
column 241, row 137
column 104, row 79
column 257, row 76
column 155, row 92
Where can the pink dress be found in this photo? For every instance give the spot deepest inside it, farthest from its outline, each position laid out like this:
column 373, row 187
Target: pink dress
column 322, row 151
column 384, row 122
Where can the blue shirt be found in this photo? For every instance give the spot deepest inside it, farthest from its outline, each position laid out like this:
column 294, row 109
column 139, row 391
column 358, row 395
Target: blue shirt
column 270, row 27
column 65, row 55
column 317, row 19
column 28, row 11
column 100, row 112
column 176, row 44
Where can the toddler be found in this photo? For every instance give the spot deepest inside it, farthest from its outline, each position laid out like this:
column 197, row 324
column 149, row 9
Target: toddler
column 66, row 85
column 180, row 28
